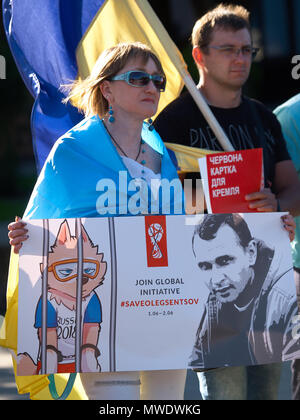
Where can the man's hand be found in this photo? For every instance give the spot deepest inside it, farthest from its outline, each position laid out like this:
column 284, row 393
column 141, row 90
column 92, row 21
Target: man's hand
column 263, row 201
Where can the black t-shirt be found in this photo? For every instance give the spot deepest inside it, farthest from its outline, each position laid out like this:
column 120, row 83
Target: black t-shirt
column 182, row 122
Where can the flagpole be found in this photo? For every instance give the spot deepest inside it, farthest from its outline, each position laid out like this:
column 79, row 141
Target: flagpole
column 177, row 59
column 206, row 111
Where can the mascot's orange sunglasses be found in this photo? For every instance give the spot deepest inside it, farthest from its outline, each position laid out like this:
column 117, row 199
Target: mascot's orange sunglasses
column 66, row 270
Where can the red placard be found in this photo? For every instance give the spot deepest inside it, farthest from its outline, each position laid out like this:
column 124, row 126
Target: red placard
column 156, row 241
column 231, row 176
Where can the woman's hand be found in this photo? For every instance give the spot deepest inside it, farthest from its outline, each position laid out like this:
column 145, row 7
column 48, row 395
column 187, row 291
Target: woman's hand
column 289, row 225
column 17, row 234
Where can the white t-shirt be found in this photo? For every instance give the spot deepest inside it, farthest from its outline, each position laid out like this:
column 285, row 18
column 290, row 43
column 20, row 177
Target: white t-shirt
column 140, row 172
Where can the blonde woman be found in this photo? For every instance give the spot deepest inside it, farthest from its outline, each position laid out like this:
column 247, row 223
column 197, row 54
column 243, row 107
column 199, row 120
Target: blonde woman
column 120, row 94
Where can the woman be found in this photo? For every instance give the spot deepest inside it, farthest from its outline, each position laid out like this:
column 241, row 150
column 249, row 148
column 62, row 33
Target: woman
column 122, row 91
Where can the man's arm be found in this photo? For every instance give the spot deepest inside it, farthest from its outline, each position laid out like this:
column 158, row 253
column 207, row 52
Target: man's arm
column 287, row 187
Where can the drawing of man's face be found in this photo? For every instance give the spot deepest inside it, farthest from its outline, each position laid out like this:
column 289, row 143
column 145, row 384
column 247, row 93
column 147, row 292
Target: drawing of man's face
column 224, row 264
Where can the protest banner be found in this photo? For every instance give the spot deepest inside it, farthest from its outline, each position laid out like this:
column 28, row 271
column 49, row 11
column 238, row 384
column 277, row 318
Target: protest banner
column 228, row 274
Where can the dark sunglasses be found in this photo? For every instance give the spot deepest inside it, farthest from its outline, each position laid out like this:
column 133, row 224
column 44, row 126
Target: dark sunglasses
column 140, row 78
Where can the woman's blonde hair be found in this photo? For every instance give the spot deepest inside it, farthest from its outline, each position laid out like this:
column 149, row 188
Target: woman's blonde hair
column 86, row 94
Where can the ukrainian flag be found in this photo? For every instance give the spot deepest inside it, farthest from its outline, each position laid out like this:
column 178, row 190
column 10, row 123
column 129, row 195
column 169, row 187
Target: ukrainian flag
column 185, row 158
column 43, row 37
column 55, row 41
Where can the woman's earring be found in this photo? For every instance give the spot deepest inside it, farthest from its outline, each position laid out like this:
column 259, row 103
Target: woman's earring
column 111, row 113
column 151, row 127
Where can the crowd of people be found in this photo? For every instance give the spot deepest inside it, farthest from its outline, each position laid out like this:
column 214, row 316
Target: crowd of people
column 122, row 92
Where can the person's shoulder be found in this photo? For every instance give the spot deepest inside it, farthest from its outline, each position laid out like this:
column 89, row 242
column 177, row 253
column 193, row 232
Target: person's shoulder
column 93, row 299
column 291, row 106
column 84, row 128
column 172, row 121
column 266, row 115
column 177, row 105
column 78, row 136
column 260, row 106
column 280, row 271
column 284, row 287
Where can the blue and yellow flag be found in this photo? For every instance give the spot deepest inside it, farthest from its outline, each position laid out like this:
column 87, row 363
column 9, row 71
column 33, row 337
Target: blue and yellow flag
column 131, row 20
column 43, row 37
column 62, row 40
column 185, row 158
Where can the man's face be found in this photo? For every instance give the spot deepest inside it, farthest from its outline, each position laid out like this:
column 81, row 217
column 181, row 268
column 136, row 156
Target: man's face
column 224, row 264
column 223, row 68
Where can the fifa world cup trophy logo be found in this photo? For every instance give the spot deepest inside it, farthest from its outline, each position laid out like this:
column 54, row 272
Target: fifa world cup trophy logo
column 156, row 232
column 156, row 241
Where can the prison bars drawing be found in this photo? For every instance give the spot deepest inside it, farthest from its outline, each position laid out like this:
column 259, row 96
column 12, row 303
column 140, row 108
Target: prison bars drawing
column 44, row 296
column 113, row 301
column 78, row 316
column 78, row 329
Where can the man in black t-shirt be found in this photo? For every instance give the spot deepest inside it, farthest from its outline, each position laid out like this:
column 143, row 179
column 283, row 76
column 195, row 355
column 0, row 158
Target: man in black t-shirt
column 182, row 123
column 223, row 53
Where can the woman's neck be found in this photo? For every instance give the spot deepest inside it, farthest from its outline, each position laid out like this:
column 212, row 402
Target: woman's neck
column 126, row 133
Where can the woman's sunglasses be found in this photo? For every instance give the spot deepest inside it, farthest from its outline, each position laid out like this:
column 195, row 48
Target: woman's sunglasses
column 141, row 78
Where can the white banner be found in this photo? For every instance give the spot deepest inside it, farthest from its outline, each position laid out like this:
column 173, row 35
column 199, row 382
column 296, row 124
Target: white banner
column 158, row 292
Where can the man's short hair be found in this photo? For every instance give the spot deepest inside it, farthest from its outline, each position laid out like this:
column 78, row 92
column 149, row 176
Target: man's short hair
column 211, row 223
column 224, row 16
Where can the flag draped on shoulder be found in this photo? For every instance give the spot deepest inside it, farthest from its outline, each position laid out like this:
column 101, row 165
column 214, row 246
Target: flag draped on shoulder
column 55, row 42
